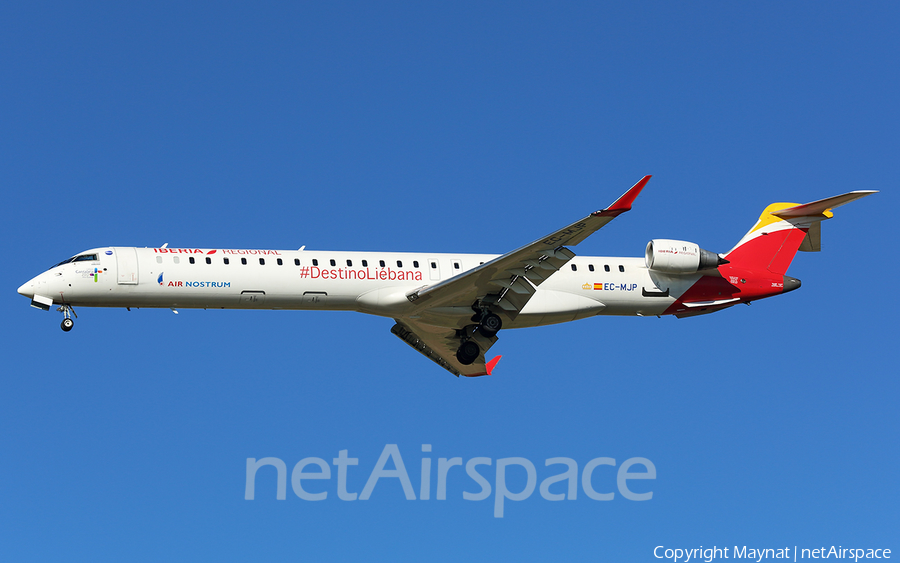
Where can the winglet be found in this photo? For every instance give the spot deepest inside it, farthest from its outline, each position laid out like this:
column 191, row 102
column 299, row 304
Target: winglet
column 488, row 368
column 623, row 204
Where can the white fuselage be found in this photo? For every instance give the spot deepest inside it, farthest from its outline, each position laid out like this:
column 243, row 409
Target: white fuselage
column 370, row 282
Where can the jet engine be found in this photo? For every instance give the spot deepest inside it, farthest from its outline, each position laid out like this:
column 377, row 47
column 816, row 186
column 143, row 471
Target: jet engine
column 679, row 257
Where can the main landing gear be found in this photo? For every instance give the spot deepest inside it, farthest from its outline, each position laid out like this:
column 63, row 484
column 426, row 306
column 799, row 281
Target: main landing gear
column 490, row 324
column 67, row 322
column 486, row 329
column 468, row 352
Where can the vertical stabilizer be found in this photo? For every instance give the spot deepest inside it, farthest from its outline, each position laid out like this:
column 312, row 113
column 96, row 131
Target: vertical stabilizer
column 783, row 229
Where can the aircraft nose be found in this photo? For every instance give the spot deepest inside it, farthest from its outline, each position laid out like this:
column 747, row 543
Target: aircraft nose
column 27, row 289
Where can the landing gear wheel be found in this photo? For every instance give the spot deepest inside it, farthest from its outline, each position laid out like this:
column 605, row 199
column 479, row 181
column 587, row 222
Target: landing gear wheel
column 490, row 324
column 67, row 325
column 468, row 352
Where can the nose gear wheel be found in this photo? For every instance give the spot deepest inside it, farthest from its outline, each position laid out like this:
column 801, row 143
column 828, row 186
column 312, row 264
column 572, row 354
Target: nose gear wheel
column 67, row 322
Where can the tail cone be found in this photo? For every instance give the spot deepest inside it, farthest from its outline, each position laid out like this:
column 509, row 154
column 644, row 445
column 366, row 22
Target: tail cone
column 790, row 284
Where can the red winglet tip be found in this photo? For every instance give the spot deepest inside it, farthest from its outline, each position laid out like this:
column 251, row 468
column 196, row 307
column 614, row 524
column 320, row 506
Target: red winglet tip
column 490, row 365
column 624, row 202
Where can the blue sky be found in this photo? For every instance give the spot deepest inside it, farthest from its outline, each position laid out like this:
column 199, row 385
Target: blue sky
column 455, row 127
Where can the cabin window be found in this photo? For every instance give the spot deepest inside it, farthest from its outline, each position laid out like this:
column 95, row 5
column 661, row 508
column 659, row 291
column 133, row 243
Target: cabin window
column 332, row 262
column 262, row 261
column 315, row 261
column 296, row 261
column 591, row 267
column 621, row 268
column 456, row 265
column 159, row 259
column 606, row 268
column 434, row 264
column 365, row 263
column 176, row 260
column 191, row 259
column 208, row 260
column 349, row 263
column 399, row 264
column 225, row 261
column 244, row 261
column 381, row 263
column 280, row 262
column 415, row 263
column 574, row 268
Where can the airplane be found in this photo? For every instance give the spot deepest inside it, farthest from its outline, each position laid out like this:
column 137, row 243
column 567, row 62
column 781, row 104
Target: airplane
column 450, row 307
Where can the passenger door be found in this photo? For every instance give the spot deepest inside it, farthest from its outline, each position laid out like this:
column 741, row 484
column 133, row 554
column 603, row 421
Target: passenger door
column 434, row 269
column 126, row 265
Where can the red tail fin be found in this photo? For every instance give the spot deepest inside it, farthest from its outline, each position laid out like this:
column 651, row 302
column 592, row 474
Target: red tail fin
column 782, row 230
column 771, row 244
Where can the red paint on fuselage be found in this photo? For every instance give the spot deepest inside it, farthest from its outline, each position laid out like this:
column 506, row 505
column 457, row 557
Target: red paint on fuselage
column 734, row 283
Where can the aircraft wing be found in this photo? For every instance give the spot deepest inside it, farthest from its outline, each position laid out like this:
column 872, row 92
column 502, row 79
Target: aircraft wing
column 439, row 344
column 510, row 280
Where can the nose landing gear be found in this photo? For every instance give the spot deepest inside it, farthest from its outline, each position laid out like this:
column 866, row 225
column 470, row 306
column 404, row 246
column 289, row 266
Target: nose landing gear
column 67, row 322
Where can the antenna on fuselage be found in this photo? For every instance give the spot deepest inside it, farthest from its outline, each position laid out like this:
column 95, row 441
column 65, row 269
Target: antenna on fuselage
column 301, row 248
column 164, row 245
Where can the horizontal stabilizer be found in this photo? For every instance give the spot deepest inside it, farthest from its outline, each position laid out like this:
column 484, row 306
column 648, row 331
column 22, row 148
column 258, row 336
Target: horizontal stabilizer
column 785, row 228
column 821, row 206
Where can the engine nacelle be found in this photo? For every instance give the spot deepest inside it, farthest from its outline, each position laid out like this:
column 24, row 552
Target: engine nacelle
column 679, row 257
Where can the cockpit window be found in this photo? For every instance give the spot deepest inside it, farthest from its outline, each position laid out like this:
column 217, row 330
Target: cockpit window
column 79, row 258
